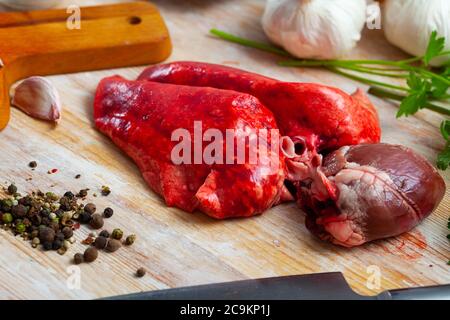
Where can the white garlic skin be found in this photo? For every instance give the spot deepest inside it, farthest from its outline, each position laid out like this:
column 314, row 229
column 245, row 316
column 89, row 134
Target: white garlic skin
column 37, row 97
column 408, row 24
column 318, row 29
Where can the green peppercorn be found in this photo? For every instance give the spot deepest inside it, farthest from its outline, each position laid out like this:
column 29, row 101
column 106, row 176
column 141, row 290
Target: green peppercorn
column 130, row 239
column 7, row 218
column 20, row 227
column 12, row 189
column 105, row 191
column 96, row 221
column 100, row 242
column 113, row 245
column 90, row 254
column 78, row 258
column 108, row 212
column 117, row 234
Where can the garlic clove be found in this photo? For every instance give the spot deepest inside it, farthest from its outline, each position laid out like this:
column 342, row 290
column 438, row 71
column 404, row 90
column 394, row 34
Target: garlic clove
column 37, row 97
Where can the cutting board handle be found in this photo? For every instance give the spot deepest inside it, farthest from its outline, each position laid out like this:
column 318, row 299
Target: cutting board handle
column 110, row 36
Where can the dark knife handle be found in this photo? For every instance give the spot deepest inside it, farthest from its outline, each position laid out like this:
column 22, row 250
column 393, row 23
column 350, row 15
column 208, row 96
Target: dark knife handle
column 440, row 292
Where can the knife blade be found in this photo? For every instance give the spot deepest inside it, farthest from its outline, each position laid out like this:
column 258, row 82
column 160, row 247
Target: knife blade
column 324, row 286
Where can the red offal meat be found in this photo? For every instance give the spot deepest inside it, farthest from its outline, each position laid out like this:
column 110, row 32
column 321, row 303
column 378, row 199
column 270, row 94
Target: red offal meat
column 141, row 116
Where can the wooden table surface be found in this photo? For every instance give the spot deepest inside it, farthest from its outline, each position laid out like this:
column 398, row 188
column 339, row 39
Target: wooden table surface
column 180, row 249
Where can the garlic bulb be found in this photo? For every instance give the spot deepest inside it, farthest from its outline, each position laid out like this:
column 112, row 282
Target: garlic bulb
column 320, row 29
column 38, row 98
column 408, row 24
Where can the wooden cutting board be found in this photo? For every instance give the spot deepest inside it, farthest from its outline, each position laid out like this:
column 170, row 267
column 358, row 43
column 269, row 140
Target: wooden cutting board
column 178, row 248
column 50, row 42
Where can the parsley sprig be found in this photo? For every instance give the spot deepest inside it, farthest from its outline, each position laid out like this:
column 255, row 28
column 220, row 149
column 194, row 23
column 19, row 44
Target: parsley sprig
column 424, row 87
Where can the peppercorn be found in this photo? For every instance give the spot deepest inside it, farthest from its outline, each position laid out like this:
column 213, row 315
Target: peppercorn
column 32, row 164
column 69, row 195
column 90, row 254
column 90, row 208
column 84, row 217
column 57, row 244
column 35, row 241
column 140, row 272
column 20, row 227
column 104, row 233
column 113, row 245
column 7, row 218
column 96, row 221
column 78, row 258
column 19, row 211
column 66, row 203
column 105, row 191
column 6, row 205
column 100, row 242
column 67, row 232
column 82, row 193
column 130, row 239
column 46, row 234
column 117, row 234
column 47, row 245
column 78, row 176
column 51, row 196
column 12, row 189
column 59, row 236
column 108, row 212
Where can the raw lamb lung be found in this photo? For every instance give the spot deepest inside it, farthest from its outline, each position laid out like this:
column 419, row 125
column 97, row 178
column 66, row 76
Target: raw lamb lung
column 140, row 117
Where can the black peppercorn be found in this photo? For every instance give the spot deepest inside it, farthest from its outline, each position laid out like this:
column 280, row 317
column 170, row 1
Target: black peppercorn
column 96, row 221
column 59, row 236
column 108, row 213
column 78, row 258
column 140, row 272
column 104, row 233
column 69, row 195
column 57, row 244
column 67, row 232
column 48, row 245
column 90, row 208
column 90, row 254
column 32, row 164
column 46, row 234
column 84, row 217
column 12, row 189
column 100, row 242
column 19, row 211
column 82, row 193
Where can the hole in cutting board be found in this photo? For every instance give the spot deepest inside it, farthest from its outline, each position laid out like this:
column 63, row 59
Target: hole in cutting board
column 134, row 20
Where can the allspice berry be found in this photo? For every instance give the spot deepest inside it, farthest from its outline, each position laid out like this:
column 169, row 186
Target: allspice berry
column 113, row 245
column 46, row 234
column 100, row 242
column 90, row 254
column 96, row 221
column 67, row 232
column 78, row 258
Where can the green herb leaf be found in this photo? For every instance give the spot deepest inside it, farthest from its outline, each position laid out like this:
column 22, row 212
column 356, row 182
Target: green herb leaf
column 439, row 88
column 445, row 129
column 443, row 160
column 417, row 97
column 435, row 47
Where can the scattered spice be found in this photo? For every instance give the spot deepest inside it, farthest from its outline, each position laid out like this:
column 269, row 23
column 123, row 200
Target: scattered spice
column 78, row 176
column 90, row 254
column 106, row 191
column 96, row 221
column 67, row 232
column 78, row 258
column 113, row 245
column 88, row 241
column 90, row 208
column 100, row 242
column 82, row 193
column 130, row 239
column 104, row 233
column 52, row 171
column 140, row 272
column 108, row 212
column 117, row 234
column 12, row 189
column 84, row 217
column 32, row 164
